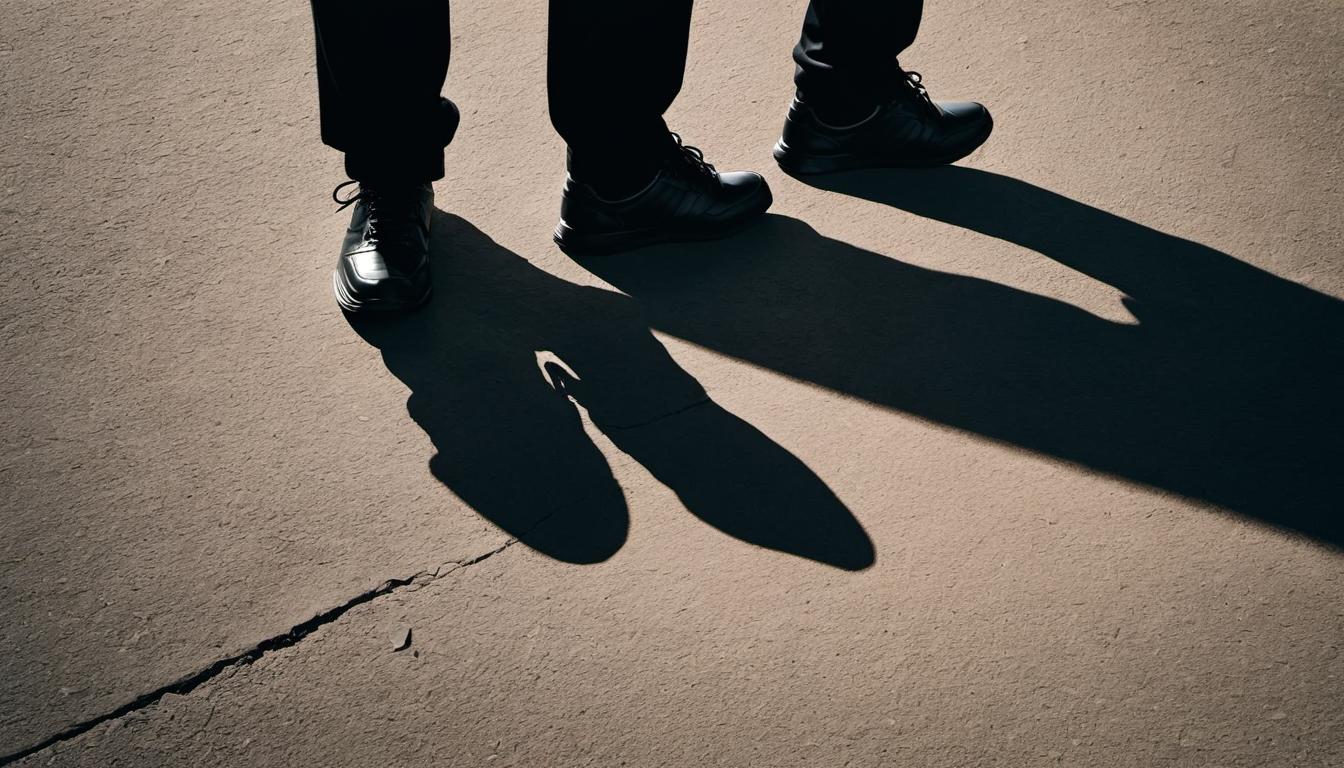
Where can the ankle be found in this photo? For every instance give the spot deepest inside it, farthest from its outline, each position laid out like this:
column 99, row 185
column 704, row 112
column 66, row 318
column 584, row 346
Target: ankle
column 617, row 173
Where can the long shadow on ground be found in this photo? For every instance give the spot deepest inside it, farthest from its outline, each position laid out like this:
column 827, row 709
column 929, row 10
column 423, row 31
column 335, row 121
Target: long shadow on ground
column 1227, row 389
column 511, row 444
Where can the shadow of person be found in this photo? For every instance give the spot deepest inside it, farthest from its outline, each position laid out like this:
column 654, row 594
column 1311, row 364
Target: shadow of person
column 495, row 363
column 1226, row 390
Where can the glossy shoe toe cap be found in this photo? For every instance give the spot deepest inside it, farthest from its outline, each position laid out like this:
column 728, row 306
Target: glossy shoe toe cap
column 966, row 116
column 367, row 285
column 748, row 192
column 745, row 182
column 969, row 111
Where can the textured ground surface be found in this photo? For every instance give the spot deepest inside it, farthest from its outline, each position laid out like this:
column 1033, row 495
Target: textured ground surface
column 1030, row 462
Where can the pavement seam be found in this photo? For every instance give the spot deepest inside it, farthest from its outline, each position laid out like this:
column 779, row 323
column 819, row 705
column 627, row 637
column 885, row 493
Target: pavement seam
column 185, row 685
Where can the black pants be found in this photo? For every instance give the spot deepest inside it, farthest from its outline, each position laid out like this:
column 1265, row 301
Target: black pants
column 614, row 67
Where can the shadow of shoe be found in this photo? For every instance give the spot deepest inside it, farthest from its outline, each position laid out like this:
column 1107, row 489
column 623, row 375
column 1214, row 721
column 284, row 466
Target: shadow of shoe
column 1226, row 391
column 515, row 450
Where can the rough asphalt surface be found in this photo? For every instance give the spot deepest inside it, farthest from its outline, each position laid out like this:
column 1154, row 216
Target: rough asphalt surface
column 1033, row 461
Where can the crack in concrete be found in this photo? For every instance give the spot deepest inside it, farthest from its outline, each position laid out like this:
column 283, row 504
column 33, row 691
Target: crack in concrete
column 185, row 685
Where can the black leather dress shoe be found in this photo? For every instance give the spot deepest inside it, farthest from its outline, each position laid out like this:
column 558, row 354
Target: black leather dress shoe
column 384, row 264
column 687, row 200
column 908, row 130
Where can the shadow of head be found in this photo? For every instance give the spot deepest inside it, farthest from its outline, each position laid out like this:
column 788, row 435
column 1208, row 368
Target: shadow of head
column 511, row 444
column 1226, row 391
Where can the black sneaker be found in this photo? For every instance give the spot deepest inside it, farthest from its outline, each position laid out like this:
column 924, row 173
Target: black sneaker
column 384, row 264
column 687, row 200
column 907, row 130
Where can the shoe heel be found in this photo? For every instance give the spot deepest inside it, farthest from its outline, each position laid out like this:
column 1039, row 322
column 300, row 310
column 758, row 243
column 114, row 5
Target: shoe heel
column 798, row 164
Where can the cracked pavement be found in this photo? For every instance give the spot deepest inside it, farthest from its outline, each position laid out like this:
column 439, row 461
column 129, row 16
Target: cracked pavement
column 296, row 634
column 882, row 481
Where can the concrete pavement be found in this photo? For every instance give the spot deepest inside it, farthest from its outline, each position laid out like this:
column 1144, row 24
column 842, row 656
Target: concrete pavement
column 1026, row 462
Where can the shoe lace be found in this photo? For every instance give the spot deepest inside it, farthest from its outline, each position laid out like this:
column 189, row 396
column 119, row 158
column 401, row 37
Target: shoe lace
column 344, row 203
column 379, row 226
column 694, row 157
column 915, row 82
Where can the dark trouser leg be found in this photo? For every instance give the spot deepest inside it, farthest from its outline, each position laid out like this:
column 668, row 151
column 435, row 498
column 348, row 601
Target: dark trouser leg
column 380, row 67
column 613, row 68
column 846, row 56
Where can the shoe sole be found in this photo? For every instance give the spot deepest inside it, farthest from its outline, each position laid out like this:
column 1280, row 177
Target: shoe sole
column 796, row 163
column 579, row 243
column 353, row 306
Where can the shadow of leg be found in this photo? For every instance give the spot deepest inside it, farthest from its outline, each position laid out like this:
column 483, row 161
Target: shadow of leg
column 730, row 475
column 504, row 445
column 1226, row 390
column 738, row 480
column 517, row 453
